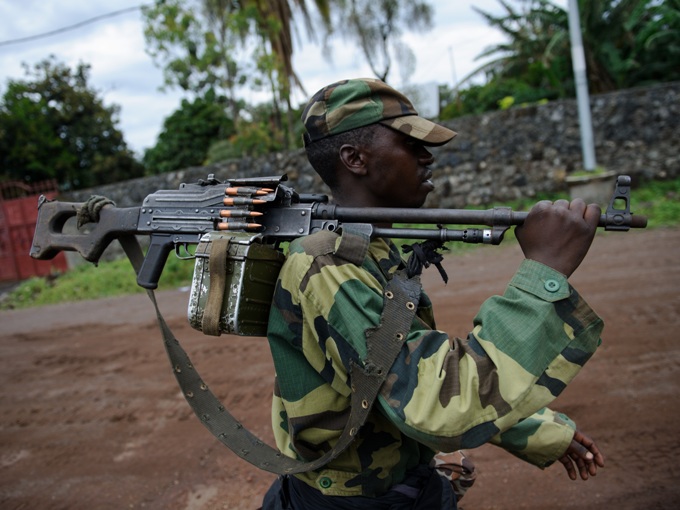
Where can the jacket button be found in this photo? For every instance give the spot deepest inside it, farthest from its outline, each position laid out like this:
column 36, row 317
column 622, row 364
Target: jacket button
column 552, row 285
column 325, row 482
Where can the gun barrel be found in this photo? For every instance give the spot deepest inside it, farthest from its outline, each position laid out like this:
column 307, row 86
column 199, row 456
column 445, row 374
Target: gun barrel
column 497, row 216
column 489, row 217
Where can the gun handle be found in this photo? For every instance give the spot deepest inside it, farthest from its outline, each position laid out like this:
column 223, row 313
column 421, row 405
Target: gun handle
column 154, row 262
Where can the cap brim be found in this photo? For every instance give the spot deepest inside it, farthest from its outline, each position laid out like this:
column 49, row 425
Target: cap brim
column 422, row 129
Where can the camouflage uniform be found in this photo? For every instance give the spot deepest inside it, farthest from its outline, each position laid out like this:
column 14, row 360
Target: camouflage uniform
column 442, row 393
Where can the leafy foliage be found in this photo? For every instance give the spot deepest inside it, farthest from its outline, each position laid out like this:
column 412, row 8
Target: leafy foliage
column 657, row 43
column 253, row 139
column 627, row 43
column 478, row 99
column 187, row 135
column 377, row 26
column 53, row 125
column 198, row 44
column 220, row 46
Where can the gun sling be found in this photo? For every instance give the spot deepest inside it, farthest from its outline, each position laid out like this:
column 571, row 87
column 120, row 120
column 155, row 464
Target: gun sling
column 401, row 297
column 218, row 263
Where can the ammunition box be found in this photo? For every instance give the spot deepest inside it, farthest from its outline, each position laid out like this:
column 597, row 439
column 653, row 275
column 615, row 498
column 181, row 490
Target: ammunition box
column 250, row 269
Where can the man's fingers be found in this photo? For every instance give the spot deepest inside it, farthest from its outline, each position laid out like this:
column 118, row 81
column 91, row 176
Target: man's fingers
column 578, row 206
column 581, row 439
column 582, row 457
column 569, row 466
column 578, row 450
column 592, row 214
column 582, row 467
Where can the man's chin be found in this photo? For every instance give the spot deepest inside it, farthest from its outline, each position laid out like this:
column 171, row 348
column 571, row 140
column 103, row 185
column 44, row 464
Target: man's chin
column 428, row 184
column 426, row 188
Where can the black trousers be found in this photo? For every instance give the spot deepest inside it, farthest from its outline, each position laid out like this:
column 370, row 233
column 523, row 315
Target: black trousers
column 423, row 489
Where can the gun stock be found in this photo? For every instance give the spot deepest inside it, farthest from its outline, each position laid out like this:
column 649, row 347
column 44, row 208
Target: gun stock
column 52, row 234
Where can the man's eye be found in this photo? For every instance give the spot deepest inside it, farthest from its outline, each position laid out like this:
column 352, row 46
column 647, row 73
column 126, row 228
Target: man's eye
column 414, row 145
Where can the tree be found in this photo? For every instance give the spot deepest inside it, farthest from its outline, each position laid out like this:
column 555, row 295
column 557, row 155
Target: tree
column 626, row 43
column 274, row 22
column 53, row 125
column 187, row 135
column 197, row 44
column 253, row 137
column 657, row 43
column 535, row 38
column 377, row 26
column 622, row 42
column 221, row 45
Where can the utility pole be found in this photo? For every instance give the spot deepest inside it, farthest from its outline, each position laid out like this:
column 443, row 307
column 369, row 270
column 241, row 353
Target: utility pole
column 583, row 100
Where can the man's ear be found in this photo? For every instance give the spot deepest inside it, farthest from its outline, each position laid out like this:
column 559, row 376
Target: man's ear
column 353, row 159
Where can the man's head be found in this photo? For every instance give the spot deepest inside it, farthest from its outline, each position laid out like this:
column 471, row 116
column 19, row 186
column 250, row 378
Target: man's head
column 351, row 104
column 359, row 126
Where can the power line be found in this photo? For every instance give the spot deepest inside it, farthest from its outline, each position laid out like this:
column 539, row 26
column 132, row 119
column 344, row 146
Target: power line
column 70, row 27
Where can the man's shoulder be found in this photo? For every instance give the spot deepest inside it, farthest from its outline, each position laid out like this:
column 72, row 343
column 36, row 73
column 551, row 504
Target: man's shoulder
column 305, row 253
column 346, row 245
column 318, row 243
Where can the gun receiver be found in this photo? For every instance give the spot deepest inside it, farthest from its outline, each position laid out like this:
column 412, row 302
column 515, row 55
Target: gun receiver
column 272, row 211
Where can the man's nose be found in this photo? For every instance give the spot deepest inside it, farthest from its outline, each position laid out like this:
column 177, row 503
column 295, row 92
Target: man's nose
column 426, row 157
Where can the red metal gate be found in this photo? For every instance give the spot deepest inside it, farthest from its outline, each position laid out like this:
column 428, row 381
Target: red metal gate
column 18, row 214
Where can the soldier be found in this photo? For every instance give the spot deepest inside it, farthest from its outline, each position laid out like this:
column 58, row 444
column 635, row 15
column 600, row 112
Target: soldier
column 370, row 147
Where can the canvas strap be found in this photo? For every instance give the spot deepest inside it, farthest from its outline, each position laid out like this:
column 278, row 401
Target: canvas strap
column 217, row 263
column 401, row 297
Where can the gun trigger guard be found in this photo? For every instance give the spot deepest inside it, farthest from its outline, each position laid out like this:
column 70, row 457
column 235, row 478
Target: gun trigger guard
column 187, row 254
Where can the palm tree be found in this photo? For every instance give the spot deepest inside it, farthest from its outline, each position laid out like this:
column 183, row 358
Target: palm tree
column 377, row 26
column 203, row 45
column 618, row 37
column 275, row 26
column 533, row 52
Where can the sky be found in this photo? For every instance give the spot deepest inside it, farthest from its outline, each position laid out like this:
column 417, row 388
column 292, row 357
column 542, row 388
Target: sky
column 124, row 74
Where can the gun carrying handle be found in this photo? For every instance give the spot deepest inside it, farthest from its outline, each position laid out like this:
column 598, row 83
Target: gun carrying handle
column 154, row 262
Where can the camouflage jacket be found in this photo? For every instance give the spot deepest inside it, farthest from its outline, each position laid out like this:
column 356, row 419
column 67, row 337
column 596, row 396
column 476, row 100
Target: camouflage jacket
column 442, row 393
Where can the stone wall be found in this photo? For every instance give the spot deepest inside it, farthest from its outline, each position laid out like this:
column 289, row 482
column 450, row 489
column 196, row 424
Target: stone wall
column 496, row 156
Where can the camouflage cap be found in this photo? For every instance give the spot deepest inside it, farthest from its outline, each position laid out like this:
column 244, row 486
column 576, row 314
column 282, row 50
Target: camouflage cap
column 350, row 104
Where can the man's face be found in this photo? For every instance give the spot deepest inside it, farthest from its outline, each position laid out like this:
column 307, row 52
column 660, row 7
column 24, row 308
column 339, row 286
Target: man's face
column 398, row 170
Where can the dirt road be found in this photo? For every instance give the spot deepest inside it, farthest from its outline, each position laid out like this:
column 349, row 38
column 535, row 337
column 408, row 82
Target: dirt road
column 91, row 417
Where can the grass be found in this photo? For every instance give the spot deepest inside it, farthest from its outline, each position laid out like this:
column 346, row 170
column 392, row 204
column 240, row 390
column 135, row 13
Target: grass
column 87, row 281
column 658, row 200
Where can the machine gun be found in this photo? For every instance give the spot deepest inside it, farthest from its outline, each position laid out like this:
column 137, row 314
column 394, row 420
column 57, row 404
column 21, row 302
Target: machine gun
column 274, row 212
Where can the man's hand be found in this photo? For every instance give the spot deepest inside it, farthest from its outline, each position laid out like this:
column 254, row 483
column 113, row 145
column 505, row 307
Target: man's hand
column 559, row 234
column 583, row 455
